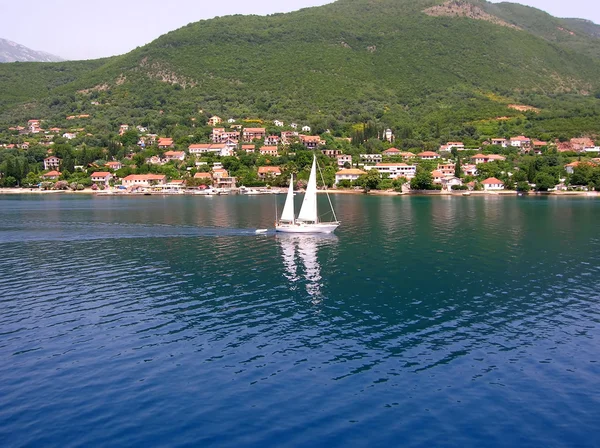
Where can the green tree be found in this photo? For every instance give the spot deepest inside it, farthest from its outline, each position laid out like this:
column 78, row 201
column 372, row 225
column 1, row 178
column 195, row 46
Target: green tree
column 457, row 168
column 129, row 138
column 582, row 174
column 544, row 181
column 423, row 180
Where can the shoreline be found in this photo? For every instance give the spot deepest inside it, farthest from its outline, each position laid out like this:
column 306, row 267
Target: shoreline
column 26, row 191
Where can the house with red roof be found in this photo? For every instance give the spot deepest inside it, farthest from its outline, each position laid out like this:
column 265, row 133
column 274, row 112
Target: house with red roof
column 164, row 143
column 205, row 176
column 500, row 142
column 175, row 155
column 520, row 142
column 392, row 152
column 272, row 140
column 52, row 175
column 428, row 155
column 268, row 171
column 269, row 151
column 144, row 180
column 311, row 141
column 101, row 177
column 251, row 134
column 348, row 174
column 114, row 165
column 483, row 158
column 492, row 184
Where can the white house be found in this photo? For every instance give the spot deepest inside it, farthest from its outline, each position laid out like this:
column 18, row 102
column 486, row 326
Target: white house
column 342, row 159
column 144, row 180
column 449, row 182
column 469, row 170
column 392, row 152
column 268, row 171
column 272, row 140
column 294, row 126
column 278, row 123
column 101, row 177
column 492, row 184
column 306, row 129
column 373, row 158
column 428, row 155
column 222, row 149
column 520, row 142
column 482, row 158
column 69, row 135
column 175, row 155
column 460, row 146
column 500, row 142
column 350, row 174
column 51, row 162
column 395, row 170
column 114, row 165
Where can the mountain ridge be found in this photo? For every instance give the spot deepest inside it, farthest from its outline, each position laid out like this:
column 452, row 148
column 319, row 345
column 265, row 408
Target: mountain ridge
column 13, row 52
column 341, row 62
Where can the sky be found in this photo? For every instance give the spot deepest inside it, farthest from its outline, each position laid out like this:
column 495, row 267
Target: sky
column 76, row 29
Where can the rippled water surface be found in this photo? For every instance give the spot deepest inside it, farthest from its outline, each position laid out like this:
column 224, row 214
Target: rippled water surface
column 156, row 321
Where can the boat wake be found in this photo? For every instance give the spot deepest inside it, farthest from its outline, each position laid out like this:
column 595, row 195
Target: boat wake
column 73, row 231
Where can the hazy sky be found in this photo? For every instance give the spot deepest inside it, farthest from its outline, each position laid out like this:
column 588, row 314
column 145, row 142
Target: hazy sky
column 79, row 29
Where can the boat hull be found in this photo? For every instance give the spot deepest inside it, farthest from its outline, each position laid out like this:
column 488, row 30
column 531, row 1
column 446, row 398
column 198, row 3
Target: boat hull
column 323, row 227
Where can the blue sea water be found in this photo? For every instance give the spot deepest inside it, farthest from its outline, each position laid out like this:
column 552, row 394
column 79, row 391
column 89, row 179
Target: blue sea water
column 425, row 321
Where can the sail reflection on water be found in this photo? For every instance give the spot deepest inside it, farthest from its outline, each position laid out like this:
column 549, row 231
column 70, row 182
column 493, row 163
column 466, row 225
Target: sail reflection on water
column 301, row 262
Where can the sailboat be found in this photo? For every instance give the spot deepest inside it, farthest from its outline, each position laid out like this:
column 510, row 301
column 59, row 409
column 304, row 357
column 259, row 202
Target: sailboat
column 308, row 218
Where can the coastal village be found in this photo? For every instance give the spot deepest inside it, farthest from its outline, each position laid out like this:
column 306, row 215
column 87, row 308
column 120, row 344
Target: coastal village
column 252, row 157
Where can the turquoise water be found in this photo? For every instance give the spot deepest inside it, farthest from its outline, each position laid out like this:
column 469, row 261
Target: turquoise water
column 150, row 321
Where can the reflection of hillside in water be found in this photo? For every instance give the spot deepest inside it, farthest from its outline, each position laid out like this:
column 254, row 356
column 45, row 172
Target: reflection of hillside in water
column 300, row 260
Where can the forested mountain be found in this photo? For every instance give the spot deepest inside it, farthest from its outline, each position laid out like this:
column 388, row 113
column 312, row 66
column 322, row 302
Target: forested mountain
column 422, row 67
column 13, row 52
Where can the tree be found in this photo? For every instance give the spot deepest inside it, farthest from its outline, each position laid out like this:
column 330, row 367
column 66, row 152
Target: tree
column 544, row 181
column 372, row 180
column 457, row 168
column 423, row 180
column 31, row 180
column 10, row 182
column 129, row 138
column 532, row 171
column 582, row 174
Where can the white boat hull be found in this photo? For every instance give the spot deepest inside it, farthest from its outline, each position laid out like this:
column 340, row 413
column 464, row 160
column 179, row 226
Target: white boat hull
column 323, row 227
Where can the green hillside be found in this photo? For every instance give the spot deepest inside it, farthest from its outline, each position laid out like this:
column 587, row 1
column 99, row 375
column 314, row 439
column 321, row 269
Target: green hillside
column 331, row 66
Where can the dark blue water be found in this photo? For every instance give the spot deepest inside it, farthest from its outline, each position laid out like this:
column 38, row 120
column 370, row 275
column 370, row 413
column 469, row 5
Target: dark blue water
column 424, row 322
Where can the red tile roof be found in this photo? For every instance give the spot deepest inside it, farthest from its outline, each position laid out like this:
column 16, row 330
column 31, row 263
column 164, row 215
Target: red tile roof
column 492, row 181
column 163, row 141
column 352, row 171
column 269, row 170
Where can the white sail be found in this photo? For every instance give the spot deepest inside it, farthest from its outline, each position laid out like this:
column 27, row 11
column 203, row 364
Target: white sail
column 288, row 208
column 308, row 212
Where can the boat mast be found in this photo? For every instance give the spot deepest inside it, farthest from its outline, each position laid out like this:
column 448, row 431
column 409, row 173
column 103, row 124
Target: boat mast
column 327, row 193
